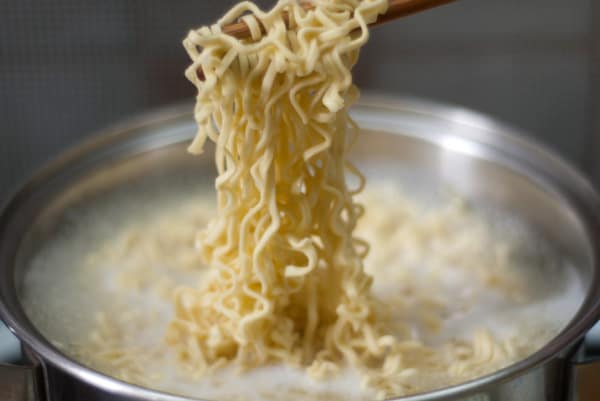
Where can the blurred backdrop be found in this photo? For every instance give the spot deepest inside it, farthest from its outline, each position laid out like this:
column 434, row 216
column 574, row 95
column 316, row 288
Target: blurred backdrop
column 70, row 67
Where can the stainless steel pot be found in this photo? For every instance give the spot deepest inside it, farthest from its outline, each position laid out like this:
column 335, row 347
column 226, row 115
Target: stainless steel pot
column 478, row 156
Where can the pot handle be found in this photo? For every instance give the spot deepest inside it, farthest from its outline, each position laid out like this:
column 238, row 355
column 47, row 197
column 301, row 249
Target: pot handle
column 18, row 383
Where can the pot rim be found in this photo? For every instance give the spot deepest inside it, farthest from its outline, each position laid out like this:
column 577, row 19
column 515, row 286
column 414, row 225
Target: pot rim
column 581, row 196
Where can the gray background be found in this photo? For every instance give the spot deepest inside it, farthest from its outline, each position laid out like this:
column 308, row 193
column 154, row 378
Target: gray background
column 70, row 67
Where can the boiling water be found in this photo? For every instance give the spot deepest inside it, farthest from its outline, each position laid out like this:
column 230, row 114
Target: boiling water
column 100, row 290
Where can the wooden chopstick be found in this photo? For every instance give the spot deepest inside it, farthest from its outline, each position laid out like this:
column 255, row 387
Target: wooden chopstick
column 396, row 9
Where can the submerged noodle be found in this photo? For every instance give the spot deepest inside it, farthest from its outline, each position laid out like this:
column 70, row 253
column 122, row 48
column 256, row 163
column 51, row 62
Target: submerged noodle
column 287, row 281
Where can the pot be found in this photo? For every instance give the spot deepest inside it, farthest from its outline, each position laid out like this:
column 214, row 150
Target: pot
column 484, row 160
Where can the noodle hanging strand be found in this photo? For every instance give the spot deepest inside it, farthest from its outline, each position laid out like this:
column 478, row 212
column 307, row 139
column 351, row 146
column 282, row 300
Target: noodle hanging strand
column 287, row 281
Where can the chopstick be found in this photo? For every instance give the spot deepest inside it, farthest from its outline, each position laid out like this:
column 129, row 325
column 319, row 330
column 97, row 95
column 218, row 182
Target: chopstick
column 396, row 9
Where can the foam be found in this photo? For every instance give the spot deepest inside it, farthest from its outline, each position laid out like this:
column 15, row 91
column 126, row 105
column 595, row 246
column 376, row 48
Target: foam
column 71, row 281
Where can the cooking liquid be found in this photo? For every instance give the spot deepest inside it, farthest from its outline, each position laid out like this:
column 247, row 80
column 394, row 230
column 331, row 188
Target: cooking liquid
column 449, row 276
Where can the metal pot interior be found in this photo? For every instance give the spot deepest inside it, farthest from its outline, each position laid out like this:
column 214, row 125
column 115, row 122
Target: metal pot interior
column 430, row 146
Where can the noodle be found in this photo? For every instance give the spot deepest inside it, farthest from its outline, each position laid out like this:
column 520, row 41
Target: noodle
column 287, row 281
column 436, row 292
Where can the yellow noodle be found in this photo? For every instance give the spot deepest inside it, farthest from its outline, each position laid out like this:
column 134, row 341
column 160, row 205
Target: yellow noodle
column 287, row 280
column 415, row 362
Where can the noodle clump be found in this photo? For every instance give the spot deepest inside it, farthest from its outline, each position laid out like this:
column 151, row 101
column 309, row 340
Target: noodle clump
column 287, row 282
